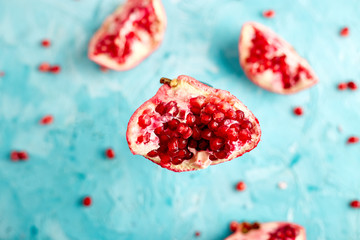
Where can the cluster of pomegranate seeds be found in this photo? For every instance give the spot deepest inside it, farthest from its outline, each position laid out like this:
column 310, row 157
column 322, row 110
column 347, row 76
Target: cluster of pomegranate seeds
column 298, row 111
column 19, row 156
column 87, row 201
column 110, row 153
column 286, row 232
column 345, row 32
column 349, row 85
column 46, row 43
column 240, row 186
column 46, row 67
column 262, row 57
column 355, row 204
column 269, row 13
column 46, row 120
column 110, row 43
column 233, row 226
column 352, row 140
column 212, row 125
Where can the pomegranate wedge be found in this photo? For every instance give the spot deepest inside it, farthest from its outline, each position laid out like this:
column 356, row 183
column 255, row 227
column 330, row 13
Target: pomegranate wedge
column 271, row 62
column 129, row 35
column 188, row 126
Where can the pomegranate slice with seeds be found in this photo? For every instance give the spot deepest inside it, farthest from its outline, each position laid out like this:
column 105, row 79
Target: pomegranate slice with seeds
column 271, row 62
column 188, row 126
column 129, row 35
column 268, row 231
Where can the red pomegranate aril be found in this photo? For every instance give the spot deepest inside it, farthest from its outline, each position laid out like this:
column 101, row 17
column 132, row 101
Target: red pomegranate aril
column 213, row 125
column 177, row 161
column 206, row 134
column 160, row 108
column 269, row 13
column 222, row 131
column 218, row 116
column 159, row 130
column 345, row 32
column 187, row 134
column 203, row 144
column 182, row 128
column 182, row 143
column 231, row 114
column 144, row 121
column 55, row 69
column 153, row 153
column 352, row 140
column 352, row 85
column 221, row 154
column 212, row 157
column 110, row 153
column 46, row 43
column 232, row 134
column 14, row 156
column 164, row 158
column 298, row 111
column 195, row 110
column 240, row 186
column 233, row 226
column 286, row 232
column 192, row 143
column 173, row 145
column 190, row 119
column 239, row 115
column 223, row 107
column 210, row 108
column 22, row 155
column 173, row 124
column 342, row 86
column 87, row 201
column 44, row 67
column 205, row 118
column 196, row 133
column 164, row 138
column 246, row 125
column 48, row 119
column 172, row 108
column 244, row 135
column 216, row 143
column 355, row 204
column 182, row 153
column 197, row 102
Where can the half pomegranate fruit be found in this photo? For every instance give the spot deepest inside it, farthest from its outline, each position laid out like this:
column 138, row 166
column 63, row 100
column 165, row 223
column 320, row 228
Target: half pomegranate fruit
column 268, row 231
column 188, row 126
column 129, row 35
column 271, row 62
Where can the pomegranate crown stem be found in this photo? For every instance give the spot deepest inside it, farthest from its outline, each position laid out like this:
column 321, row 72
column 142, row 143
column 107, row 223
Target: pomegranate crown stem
column 170, row 82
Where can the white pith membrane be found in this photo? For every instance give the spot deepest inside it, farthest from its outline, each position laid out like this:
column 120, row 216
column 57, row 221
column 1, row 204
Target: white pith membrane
column 186, row 89
column 263, row 233
column 142, row 45
column 268, row 79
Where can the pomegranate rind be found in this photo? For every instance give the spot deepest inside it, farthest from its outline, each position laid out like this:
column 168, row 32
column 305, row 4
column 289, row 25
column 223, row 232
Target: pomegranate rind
column 189, row 87
column 141, row 50
column 263, row 233
column 268, row 79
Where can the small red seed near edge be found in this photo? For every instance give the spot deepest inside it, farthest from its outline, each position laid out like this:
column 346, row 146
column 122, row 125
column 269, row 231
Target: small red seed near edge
column 269, row 13
column 298, row 111
column 46, row 43
column 342, row 86
column 87, row 201
column 355, row 204
column 110, row 153
column 55, row 69
column 47, row 119
column 14, row 156
column 44, row 67
column 233, row 226
column 352, row 140
column 197, row 234
column 104, row 69
column 345, row 32
column 352, row 85
column 240, row 186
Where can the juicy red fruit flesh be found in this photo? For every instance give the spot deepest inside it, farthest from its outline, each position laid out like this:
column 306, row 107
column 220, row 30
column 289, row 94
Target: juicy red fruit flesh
column 261, row 53
column 110, row 43
column 286, row 232
column 207, row 127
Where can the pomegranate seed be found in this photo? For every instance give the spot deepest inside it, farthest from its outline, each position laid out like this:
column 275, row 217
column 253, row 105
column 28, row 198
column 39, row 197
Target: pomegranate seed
column 172, row 124
column 159, row 130
column 47, row 119
column 164, row 158
column 190, row 119
column 160, row 108
column 110, row 153
column 213, row 125
column 206, row 134
column 144, row 121
column 345, row 32
column 172, row 108
column 246, row 125
column 196, row 133
column 355, row 204
column 231, row 114
column 104, row 69
column 55, row 69
column 352, row 140
column 352, row 85
column 153, row 153
column 192, row 143
column 23, row 155
column 46, row 43
column 177, row 161
column 216, row 143
column 183, row 143
column 87, row 201
column 269, row 13
column 173, row 144
column 232, row 134
column 203, row 144
column 233, row 226
column 218, row 116
column 240, row 186
column 210, row 108
column 342, row 86
column 239, row 115
column 197, row 234
column 205, row 118
column 197, row 102
column 187, row 134
column 44, row 67
column 220, row 155
column 14, row 156
column 298, row 111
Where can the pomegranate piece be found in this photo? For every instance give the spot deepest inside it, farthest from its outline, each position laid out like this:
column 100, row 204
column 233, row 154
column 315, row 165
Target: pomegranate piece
column 129, row 35
column 267, row 231
column 271, row 62
column 187, row 126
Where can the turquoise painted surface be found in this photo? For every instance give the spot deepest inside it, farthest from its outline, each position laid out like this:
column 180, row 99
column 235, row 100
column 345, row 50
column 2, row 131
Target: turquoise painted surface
column 136, row 199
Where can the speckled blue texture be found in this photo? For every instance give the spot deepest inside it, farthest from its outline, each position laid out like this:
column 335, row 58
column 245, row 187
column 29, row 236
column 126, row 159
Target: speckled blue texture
column 134, row 198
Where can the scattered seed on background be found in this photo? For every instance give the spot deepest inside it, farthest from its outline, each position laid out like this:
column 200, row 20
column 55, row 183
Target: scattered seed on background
column 352, row 85
column 46, row 43
column 355, row 204
column 342, row 86
column 240, row 186
column 233, row 226
column 269, row 13
column 298, row 111
column 110, row 153
column 352, row 140
column 55, row 69
column 18, row 156
column 87, row 201
column 47, row 119
column 44, row 67
column 345, row 32
column 282, row 185
column 197, row 234
column 104, row 69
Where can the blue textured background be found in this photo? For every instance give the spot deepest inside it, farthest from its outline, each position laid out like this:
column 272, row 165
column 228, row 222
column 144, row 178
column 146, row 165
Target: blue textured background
column 136, row 199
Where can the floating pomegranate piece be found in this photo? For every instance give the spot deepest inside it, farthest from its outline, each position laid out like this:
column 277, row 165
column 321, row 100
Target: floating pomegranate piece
column 129, row 35
column 188, row 125
column 268, row 231
column 271, row 62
